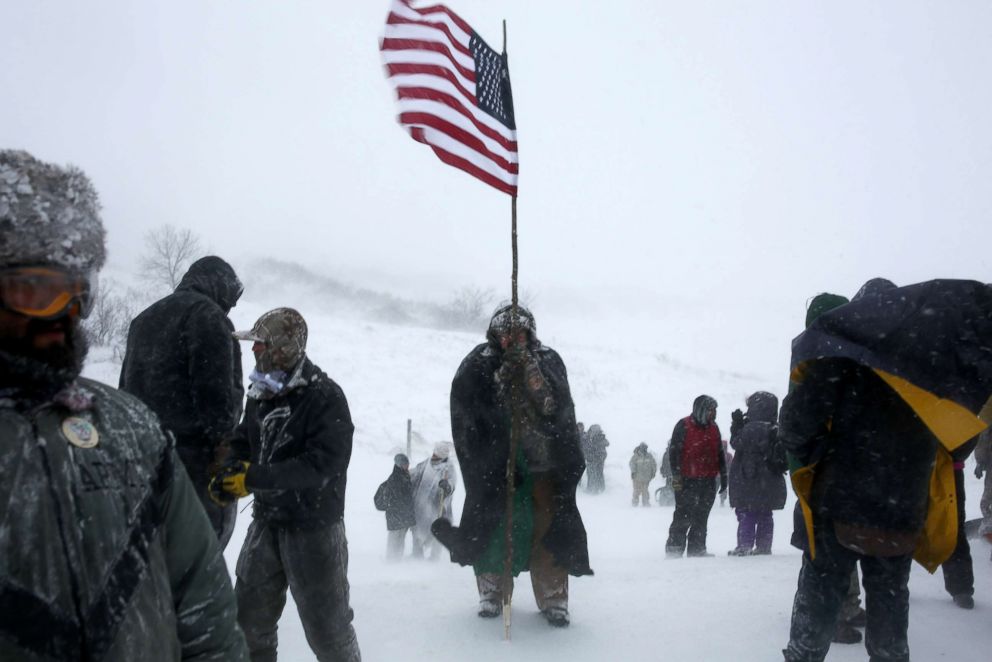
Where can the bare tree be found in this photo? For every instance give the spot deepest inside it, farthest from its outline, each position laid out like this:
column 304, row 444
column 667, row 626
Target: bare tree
column 468, row 309
column 169, row 252
column 108, row 322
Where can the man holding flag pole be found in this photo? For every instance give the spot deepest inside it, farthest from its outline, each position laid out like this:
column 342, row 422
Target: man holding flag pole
column 513, row 421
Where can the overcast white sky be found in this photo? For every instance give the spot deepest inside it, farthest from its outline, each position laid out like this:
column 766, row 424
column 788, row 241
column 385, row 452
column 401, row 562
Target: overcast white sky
column 717, row 149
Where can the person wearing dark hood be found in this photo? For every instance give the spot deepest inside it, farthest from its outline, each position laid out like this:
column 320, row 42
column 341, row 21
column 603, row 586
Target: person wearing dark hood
column 697, row 458
column 852, row 615
column 548, row 537
column 105, row 552
column 875, row 407
column 291, row 451
column 395, row 497
column 182, row 362
column 757, row 474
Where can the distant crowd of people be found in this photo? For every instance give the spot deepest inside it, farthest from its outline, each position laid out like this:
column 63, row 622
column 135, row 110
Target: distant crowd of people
column 118, row 503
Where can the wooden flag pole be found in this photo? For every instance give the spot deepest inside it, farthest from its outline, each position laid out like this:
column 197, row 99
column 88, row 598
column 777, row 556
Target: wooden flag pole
column 511, row 461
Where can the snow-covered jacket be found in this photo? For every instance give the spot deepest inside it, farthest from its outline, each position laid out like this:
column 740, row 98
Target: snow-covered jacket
column 480, row 428
column 642, row 466
column 594, row 444
column 182, row 362
column 757, row 474
column 299, row 447
column 105, row 551
column 429, row 500
column 395, row 497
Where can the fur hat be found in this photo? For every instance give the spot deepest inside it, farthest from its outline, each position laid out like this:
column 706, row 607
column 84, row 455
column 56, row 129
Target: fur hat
column 442, row 449
column 48, row 215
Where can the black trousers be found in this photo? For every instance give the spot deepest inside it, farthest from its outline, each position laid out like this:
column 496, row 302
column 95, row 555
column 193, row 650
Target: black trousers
column 313, row 564
column 693, row 504
column 959, row 575
column 823, row 585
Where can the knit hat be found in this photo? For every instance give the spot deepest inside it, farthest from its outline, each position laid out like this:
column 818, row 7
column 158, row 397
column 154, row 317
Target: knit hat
column 48, row 215
column 502, row 322
column 823, row 303
column 401, row 460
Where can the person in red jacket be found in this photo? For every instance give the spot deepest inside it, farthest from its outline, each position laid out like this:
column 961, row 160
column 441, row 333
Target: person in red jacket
column 697, row 458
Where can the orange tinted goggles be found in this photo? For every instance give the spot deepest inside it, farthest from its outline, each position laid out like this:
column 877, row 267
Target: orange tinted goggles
column 44, row 292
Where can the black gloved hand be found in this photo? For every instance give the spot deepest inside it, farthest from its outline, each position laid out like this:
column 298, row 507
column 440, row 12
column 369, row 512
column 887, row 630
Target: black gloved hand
column 979, row 470
column 723, row 484
column 736, row 421
column 445, row 486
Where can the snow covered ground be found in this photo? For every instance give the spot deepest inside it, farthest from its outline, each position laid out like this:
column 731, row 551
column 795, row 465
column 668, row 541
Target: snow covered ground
column 635, row 377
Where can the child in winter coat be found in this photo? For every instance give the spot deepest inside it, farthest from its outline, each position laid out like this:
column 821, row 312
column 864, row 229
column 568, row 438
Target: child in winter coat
column 757, row 480
column 395, row 497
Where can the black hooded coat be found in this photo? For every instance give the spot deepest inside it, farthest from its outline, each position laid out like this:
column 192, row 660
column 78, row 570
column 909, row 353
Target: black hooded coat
column 481, row 431
column 395, row 497
column 757, row 474
column 182, row 361
column 873, row 453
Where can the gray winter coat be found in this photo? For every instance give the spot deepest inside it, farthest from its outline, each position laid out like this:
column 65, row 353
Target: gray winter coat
column 105, row 552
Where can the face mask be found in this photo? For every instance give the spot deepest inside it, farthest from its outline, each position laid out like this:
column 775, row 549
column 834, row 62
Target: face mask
column 271, row 383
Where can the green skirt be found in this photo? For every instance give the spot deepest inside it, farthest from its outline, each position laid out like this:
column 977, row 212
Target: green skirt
column 491, row 561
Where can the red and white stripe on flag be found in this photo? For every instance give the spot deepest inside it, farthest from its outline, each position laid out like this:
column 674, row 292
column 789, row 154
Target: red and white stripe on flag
column 453, row 91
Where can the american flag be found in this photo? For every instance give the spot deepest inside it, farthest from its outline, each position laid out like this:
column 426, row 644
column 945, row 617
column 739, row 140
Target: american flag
column 453, row 91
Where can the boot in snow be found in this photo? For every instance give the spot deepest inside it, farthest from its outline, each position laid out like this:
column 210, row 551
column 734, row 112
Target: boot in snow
column 557, row 616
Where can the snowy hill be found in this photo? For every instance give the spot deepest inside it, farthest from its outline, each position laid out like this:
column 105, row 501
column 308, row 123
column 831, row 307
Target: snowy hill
column 635, row 375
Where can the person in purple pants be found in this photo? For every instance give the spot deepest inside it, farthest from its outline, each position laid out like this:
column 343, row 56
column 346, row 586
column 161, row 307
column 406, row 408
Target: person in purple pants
column 757, row 475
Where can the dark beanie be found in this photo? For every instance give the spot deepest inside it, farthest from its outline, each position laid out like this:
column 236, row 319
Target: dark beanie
column 823, row 303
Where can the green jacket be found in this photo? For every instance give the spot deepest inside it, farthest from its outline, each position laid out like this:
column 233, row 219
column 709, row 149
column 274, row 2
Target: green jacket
column 105, row 551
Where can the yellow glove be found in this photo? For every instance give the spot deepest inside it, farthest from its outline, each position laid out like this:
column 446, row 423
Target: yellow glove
column 233, row 479
column 228, row 484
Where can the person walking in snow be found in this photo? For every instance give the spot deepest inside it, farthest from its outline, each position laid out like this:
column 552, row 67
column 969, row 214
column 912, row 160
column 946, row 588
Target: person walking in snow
column 852, row 615
column 105, row 551
column 292, row 451
column 548, row 536
column 182, row 362
column 434, row 482
column 595, row 454
column 757, row 474
column 642, row 469
column 395, row 497
column 697, row 458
